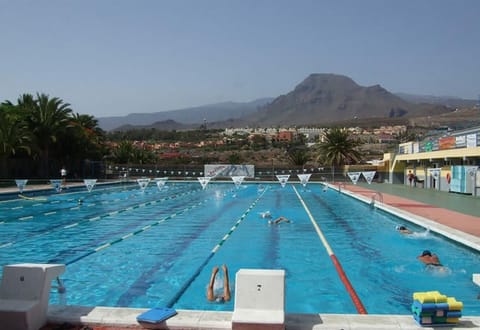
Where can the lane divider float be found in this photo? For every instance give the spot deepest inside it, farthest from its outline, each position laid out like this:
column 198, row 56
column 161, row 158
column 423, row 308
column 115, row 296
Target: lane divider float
column 95, row 218
column 136, row 232
column 66, row 201
column 343, row 277
column 187, row 284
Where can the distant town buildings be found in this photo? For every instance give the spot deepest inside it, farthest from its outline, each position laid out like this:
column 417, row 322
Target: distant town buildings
column 383, row 134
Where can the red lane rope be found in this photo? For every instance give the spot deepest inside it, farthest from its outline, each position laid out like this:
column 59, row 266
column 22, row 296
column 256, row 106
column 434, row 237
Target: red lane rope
column 343, row 277
column 346, row 282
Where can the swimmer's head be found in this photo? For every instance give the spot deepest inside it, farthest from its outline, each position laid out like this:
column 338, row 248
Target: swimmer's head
column 219, row 299
column 426, row 253
column 266, row 214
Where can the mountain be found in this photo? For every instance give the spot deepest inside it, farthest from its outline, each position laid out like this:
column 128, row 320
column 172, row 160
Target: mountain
column 327, row 98
column 320, row 99
column 194, row 116
column 449, row 101
column 165, row 125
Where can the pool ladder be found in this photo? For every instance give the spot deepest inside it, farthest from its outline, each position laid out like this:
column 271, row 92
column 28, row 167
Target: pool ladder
column 378, row 195
column 61, row 287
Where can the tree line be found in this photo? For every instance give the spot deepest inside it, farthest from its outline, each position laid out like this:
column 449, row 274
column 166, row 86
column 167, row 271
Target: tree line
column 40, row 134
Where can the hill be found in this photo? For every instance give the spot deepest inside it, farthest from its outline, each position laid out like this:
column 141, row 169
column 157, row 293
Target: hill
column 320, row 99
column 327, row 98
column 165, row 125
column 190, row 117
column 449, row 101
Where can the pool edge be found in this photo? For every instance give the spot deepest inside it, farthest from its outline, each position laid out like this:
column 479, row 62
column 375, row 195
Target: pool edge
column 198, row 319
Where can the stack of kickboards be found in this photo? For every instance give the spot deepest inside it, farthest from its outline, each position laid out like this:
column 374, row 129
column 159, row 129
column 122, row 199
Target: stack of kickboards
column 434, row 308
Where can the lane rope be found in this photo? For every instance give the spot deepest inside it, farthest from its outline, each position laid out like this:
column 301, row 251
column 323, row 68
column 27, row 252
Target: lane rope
column 95, row 218
column 136, row 232
column 343, row 277
column 50, row 212
column 225, row 237
column 141, row 230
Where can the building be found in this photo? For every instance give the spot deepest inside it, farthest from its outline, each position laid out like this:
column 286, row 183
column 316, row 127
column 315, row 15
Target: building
column 447, row 162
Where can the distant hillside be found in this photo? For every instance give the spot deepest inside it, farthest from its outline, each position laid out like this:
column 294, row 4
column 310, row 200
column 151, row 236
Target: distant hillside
column 321, row 99
column 457, row 119
column 449, row 101
column 188, row 116
column 166, row 125
column 327, row 98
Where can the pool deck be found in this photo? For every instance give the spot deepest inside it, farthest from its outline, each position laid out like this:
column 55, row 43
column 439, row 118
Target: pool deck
column 453, row 215
column 107, row 318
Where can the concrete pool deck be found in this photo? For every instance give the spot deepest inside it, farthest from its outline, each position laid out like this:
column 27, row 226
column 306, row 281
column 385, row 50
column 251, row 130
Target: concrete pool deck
column 446, row 220
column 107, row 318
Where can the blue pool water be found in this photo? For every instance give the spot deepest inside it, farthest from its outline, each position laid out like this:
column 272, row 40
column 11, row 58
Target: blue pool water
column 125, row 247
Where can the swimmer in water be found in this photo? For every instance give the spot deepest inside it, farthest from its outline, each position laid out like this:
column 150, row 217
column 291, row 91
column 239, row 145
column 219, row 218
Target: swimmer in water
column 225, row 296
column 278, row 220
column 404, row 230
column 266, row 215
column 431, row 261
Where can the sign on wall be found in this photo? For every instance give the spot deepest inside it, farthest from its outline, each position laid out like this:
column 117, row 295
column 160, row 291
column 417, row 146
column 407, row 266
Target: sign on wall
column 228, row 170
column 429, row 146
column 416, row 148
column 471, row 140
column 446, row 143
column 460, row 141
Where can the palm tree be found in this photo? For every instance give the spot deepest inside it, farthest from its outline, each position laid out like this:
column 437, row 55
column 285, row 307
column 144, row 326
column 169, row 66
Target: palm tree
column 48, row 118
column 85, row 121
column 339, row 148
column 81, row 140
column 25, row 104
column 123, row 153
column 298, row 156
column 87, row 131
column 143, row 156
column 13, row 135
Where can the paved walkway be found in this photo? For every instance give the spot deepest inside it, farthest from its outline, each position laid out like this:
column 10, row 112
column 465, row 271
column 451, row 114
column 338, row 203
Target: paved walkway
column 461, row 212
column 461, row 203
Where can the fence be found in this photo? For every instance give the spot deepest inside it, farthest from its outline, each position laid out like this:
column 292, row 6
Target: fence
column 104, row 172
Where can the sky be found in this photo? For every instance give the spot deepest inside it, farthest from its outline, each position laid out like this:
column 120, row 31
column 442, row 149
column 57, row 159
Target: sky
column 115, row 57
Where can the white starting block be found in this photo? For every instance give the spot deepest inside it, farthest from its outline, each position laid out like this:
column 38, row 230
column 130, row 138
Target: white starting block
column 476, row 279
column 259, row 300
column 24, row 295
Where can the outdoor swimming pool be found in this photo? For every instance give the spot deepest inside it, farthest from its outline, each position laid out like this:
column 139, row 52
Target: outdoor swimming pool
column 125, row 247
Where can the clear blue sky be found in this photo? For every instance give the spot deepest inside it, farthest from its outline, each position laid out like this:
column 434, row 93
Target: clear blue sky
column 115, row 57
